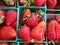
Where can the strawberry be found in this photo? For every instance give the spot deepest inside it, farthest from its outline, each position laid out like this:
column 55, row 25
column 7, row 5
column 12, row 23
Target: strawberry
column 39, row 2
column 7, row 32
column 2, row 16
column 58, row 2
column 12, row 43
column 58, row 18
column 25, row 44
column 38, row 31
column 24, row 33
column 51, row 3
column 10, row 2
column 33, row 20
column 25, row 14
column 3, row 43
column 13, row 25
column 37, row 44
column 11, row 16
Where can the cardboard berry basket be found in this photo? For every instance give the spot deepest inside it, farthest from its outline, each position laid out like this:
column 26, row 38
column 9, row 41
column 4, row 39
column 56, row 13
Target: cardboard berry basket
column 6, row 9
column 32, row 9
column 14, row 6
column 45, row 43
column 18, row 5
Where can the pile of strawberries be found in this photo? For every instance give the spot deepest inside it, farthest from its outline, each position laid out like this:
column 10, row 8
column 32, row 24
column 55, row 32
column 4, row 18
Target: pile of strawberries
column 50, row 3
column 7, row 43
column 8, row 24
column 32, row 25
column 7, row 2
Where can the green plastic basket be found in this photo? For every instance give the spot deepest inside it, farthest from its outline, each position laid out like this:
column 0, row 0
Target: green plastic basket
column 13, row 40
column 19, row 14
column 45, row 43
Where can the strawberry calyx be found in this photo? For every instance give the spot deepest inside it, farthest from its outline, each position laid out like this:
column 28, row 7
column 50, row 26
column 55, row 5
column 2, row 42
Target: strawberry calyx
column 40, row 13
column 9, row 2
column 1, row 18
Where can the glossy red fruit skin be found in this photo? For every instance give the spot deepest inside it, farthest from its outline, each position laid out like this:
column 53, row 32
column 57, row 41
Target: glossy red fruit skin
column 25, row 44
column 2, row 16
column 57, row 30
column 33, row 20
column 51, row 3
column 3, row 43
column 24, row 33
column 58, row 18
column 7, row 32
column 13, row 25
column 37, row 44
column 51, row 33
column 38, row 31
column 25, row 13
column 39, row 2
column 11, row 16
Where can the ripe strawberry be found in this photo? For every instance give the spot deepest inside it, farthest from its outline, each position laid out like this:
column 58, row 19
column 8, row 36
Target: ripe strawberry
column 24, row 33
column 37, row 44
column 32, row 21
column 10, row 2
column 7, row 32
column 25, row 44
column 13, row 25
column 38, row 31
column 25, row 14
column 12, row 43
column 3, row 43
column 11, row 16
column 58, row 18
column 51, row 3
column 2, row 16
column 39, row 2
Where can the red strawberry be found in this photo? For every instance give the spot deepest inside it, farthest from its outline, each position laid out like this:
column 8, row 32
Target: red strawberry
column 10, row 2
column 37, row 44
column 25, row 14
column 51, row 33
column 13, row 25
column 58, row 18
column 3, row 43
column 24, row 33
column 11, row 16
column 39, row 2
column 51, row 3
column 38, row 31
column 2, row 16
column 32, row 21
column 12, row 44
column 7, row 32
column 25, row 44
